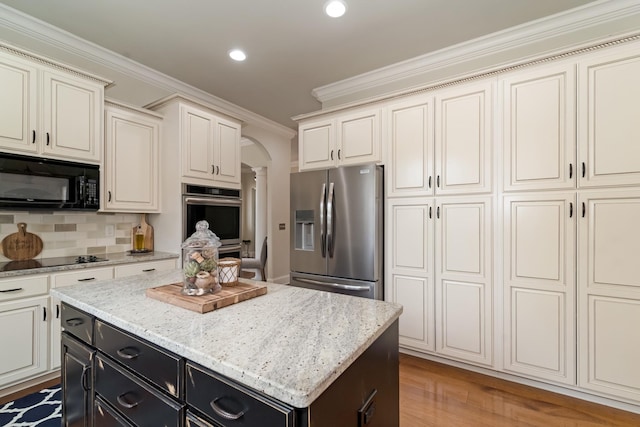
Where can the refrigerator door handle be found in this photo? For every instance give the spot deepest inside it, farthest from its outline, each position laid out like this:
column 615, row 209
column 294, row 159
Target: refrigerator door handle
column 323, row 239
column 330, row 219
column 333, row 285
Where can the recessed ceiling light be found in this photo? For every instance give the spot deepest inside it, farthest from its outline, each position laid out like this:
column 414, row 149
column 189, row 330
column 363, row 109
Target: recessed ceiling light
column 335, row 8
column 237, row 55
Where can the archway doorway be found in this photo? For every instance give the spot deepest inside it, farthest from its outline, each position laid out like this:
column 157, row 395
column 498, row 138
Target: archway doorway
column 255, row 166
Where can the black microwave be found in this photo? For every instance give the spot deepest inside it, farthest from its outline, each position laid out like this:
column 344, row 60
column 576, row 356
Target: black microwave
column 39, row 183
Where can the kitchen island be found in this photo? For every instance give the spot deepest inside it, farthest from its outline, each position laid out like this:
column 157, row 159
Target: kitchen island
column 295, row 356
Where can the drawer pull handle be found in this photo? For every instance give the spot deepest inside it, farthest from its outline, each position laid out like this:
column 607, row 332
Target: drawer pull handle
column 76, row 321
column 128, row 353
column 87, row 279
column 148, row 270
column 125, row 403
column 224, row 414
column 11, row 290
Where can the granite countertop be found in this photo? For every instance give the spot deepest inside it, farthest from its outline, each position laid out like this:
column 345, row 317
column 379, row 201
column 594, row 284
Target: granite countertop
column 291, row 343
column 12, row 268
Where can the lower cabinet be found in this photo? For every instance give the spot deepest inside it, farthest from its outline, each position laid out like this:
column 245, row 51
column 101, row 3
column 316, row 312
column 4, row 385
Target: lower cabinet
column 24, row 320
column 441, row 272
column 112, row 378
column 77, row 376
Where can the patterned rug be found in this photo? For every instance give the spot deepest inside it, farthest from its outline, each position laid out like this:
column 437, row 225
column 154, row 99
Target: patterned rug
column 41, row 409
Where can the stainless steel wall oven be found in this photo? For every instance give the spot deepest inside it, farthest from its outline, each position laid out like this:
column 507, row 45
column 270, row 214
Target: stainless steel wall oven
column 221, row 208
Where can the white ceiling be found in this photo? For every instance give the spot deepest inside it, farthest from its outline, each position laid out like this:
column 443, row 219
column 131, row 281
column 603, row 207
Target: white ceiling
column 292, row 46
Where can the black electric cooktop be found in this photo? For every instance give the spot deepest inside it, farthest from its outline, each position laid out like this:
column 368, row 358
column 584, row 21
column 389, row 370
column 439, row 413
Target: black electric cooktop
column 50, row 262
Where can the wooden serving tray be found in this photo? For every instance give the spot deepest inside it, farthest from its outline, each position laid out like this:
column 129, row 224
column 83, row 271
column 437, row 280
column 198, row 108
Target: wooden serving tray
column 229, row 295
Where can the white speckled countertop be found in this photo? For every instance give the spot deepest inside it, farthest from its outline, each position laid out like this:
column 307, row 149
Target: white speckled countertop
column 291, row 343
column 12, row 268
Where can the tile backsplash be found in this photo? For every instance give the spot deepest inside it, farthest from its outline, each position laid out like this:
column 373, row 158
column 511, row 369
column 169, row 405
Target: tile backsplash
column 67, row 233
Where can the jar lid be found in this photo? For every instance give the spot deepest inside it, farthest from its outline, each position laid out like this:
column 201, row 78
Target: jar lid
column 202, row 238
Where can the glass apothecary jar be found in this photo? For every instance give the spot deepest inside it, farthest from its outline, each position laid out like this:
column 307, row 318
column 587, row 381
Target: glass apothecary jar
column 200, row 261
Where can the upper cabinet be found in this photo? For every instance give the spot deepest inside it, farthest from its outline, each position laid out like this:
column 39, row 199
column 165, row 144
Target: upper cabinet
column 48, row 111
column 608, row 125
column 210, row 147
column 538, row 128
column 131, row 178
column 463, row 138
column 349, row 138
column 204, row 142
column 409, row 132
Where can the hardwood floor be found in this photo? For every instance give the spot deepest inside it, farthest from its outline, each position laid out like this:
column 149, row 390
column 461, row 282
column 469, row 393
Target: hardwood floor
column 437, row 395
column 432, row 394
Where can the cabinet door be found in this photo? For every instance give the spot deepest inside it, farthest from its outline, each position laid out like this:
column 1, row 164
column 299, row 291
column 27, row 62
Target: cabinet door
column 226, row 156
column 539, row 286
column 464, row 316
column 608, row 125
column 131, row 159
column 410, row 137
column 464, row 138
column 539, row 128
column 23, row 334
column 316, row 145
column 72, row 117
column 18, row 112
column 358, row 137
column 410, row 276
column 77, row 383
column 609, row 293
column 197, row 143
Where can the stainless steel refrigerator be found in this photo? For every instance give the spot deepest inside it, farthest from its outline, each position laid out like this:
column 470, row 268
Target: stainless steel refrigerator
column 337, row 230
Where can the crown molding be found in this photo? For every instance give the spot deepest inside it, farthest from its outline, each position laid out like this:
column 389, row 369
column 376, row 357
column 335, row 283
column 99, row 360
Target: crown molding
column 67, row 42
column 561, row 24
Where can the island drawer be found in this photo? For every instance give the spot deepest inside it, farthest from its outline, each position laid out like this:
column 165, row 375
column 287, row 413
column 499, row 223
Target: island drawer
column 231, row 404
column 105, row 416
column 157, row 365
column 133, row 398
column 77, row 323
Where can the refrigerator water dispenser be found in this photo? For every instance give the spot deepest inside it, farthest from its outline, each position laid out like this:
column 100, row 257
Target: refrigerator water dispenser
column 304, row 230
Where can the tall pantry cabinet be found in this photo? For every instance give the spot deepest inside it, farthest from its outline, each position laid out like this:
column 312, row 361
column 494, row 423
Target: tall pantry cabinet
column 439, row 240
column 571, row 203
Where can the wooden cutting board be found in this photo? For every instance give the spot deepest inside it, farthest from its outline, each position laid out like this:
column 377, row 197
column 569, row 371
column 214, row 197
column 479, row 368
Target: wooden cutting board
column 21, row 246
column 205, row 303
column 147, row 230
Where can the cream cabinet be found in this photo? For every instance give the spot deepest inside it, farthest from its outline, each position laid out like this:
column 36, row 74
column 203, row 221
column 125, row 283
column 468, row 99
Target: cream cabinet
column 23, row 328
column 439, row 253
column 349, row 138
column 410, row 276
column 538, row 128
column 18, row 105
column 609, row 292
column 132, row 165
column 210, row 148
column 59, row 280
column 126, row 270
column 464, row 138
column 539, row 286
column 50, row 112
column 409, row 134
column 608, row 125
column 464, row 279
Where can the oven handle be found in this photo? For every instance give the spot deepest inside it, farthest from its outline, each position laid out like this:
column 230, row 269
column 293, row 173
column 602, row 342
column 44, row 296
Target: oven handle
column 213, row 201
column 229, row 248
